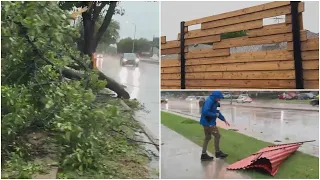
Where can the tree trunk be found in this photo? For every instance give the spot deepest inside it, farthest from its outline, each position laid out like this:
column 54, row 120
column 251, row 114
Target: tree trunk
column 111, row 84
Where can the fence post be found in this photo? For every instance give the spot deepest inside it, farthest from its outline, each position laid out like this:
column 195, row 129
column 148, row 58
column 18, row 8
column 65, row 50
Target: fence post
column 296, row 44
column 182, row 58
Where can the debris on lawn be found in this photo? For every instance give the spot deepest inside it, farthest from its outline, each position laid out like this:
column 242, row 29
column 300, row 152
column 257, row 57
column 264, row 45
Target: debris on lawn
column 268, row 158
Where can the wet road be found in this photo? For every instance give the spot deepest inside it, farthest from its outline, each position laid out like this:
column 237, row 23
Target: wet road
column 263, row 123
column 176, row 154
column 142, row 83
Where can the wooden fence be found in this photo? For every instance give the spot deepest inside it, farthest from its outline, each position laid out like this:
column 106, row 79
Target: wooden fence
column 220, row 63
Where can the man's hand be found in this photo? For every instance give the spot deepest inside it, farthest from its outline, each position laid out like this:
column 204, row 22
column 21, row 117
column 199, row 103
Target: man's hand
column 227, row 123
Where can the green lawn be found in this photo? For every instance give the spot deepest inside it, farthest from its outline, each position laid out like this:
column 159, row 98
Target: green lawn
column 239, row 146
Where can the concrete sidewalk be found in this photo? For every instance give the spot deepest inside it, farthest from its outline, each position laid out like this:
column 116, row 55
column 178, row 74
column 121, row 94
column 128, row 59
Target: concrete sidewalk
column 180, row 159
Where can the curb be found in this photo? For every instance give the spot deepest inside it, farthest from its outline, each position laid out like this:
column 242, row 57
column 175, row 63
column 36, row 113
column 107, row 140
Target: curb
column 268, row 107
column 145, row 130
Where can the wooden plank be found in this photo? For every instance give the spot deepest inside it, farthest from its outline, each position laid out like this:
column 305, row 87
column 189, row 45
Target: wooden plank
column 170, row 87
column 248, row 10
column 310, row 65
column 270, row 30
column 203, row 53
column 170, row 83
column 255, row 66
column 170, row 63
column 311, row 74
column 311, row 85
column 170, row 70
column 310, row 44
column 245, row 41
column 289, row 20
column 242, row 83
column 173, row 76
column 172, row 51
column 163, row 39
column 268, row 75
column 170, row 44
column 207, row 39
column 275, row 55
column 310, row 55
column 225, row 29
column 253, row 16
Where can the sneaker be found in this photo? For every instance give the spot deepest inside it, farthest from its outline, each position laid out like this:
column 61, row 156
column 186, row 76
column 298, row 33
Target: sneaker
column 206, row 157
column 221, row 155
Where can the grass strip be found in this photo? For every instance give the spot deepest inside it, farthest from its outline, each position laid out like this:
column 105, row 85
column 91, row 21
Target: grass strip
column 239, row 146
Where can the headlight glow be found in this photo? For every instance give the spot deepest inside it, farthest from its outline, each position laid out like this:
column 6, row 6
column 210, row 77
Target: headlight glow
column 124, row 59
column 137, row 60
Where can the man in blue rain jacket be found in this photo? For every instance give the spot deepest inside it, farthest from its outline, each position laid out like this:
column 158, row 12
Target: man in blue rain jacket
column 210, row 112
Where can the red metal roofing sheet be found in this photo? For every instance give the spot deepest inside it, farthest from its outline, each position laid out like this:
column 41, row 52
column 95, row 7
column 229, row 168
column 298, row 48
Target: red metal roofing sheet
column 268, row 158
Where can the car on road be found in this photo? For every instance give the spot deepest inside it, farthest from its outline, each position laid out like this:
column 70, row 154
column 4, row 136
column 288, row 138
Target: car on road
column 305, row 96
column 191, row 98
column 164, row 100
column 288, row 96
column 129, row 59
column 244, row 98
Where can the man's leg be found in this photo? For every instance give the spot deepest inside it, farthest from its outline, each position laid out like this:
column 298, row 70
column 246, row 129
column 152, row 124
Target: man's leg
column 217, row 136
column 207, row 133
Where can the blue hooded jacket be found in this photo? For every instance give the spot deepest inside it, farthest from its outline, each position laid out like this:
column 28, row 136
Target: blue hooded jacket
column 209, row 109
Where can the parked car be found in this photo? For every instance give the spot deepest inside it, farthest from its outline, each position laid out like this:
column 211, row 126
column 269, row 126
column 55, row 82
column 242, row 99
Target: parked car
column 305, row 96
column 191, row 98
column 129, row 59
column 164, row 100
column 227, row 96
column 244, row 99
column 315, row 102
column 287, row 96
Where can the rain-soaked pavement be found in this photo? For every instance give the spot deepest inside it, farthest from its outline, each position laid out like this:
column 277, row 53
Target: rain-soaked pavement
column 142, row 83
column 184, row 156
column 263, row 123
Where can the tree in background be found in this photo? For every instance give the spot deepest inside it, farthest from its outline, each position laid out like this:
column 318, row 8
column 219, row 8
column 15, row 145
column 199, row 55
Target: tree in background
column 141, row 45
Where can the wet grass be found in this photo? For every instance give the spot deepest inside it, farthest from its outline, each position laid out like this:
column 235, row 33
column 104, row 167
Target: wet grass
column 239, row 146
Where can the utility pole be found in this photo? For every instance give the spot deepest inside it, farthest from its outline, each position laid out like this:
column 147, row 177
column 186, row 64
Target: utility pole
column 134, row 37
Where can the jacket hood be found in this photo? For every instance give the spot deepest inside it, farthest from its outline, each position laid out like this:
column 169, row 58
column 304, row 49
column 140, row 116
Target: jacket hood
column 216, row 95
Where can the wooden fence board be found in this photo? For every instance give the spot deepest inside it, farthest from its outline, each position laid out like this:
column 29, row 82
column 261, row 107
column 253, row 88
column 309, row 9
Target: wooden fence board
column 274, row 55
column 311, row 84
column 172, row 51
column 207, row 39
column 170, row 63
column 267, row 75
column 289, row 20
column 313, row 64
column 263, row 66
column 248, row 10
column 253, row 16
column 202, row 53
column 310, row 44
column 245, row 41
column 163, row 39
column 242, row 83
column 173, row 76
column 311, row 74
column 231, row 28
column 170, row 44
column 310, row 55
column 170, row 87
column 270, row 30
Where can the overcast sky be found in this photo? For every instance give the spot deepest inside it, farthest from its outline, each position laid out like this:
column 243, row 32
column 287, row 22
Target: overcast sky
column 144, row 14
column 172, row 13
